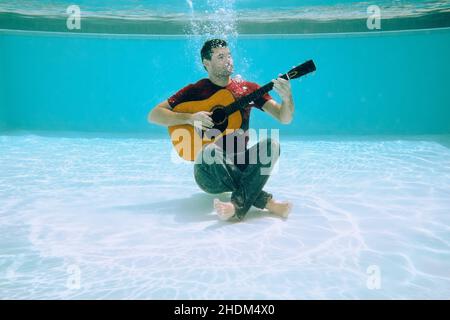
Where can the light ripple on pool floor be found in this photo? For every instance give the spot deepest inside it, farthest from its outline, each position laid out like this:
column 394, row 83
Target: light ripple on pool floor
column 136, row 226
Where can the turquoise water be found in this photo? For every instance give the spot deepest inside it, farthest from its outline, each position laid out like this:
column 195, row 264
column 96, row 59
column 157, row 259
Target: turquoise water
column 223, row 16
column 90, row 191
column 392, row 83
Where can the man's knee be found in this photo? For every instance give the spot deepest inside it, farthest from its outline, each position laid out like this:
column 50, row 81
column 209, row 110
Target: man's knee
column 205, row 180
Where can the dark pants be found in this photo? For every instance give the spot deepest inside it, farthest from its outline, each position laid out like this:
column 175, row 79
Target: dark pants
column 216, row 172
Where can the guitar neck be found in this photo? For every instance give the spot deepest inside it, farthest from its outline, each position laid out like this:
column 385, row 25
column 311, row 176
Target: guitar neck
column 242, row 102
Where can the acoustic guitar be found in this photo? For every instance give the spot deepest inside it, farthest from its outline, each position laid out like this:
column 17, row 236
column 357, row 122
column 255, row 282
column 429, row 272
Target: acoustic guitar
column 189, row 140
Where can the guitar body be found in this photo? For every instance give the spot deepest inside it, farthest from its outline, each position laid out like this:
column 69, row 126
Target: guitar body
column 226, row 115
column 187, row 140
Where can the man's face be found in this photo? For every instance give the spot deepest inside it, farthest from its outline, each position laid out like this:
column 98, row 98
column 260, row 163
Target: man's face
column 221, row 63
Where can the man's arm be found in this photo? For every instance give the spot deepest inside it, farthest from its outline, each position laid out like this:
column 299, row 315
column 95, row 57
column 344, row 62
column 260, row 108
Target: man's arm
column 163, row 115
column 283, row 112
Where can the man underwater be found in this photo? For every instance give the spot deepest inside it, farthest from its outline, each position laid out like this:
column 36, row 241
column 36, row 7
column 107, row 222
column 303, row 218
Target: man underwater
column 244, row 179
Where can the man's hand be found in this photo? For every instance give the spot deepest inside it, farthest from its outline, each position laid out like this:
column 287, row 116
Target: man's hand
column 201, row 120
column 283, row 88
column 284, row 112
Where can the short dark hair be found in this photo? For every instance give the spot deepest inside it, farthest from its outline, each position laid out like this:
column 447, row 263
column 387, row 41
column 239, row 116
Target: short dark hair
column 208, row 47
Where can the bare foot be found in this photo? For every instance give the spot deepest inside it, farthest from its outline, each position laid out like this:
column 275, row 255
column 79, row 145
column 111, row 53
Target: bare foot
column 279, row 208
column 225, row 210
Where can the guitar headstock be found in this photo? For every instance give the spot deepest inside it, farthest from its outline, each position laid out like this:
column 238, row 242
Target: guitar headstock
column 300, row 70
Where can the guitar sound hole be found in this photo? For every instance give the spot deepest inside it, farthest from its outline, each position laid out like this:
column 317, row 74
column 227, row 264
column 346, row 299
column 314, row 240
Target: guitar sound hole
column 220, row 120
column 218, row 116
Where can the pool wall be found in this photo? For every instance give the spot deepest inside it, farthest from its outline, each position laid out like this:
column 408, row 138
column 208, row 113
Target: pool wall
column 370, row 83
